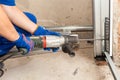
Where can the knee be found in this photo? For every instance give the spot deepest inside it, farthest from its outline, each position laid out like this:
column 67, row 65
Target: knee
column 31, row 16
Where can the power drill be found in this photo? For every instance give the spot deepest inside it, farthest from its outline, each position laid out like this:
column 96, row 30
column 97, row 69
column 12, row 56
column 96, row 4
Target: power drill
column 67, row 42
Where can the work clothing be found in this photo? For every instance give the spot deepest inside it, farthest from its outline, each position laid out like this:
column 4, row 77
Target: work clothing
column 8, row 2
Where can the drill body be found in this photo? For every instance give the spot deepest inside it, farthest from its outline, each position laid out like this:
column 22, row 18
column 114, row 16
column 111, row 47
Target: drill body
column 67, row 42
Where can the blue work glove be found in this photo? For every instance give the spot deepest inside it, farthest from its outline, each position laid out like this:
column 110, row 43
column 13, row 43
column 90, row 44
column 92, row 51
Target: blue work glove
column 41, row 31
column 24, row 42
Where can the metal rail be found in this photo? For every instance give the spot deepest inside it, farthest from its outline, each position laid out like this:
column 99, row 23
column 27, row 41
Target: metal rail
column 112, row 66
column 90, row 39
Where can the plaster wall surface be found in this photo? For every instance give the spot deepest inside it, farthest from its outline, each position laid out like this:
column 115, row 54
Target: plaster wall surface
column 59, row 12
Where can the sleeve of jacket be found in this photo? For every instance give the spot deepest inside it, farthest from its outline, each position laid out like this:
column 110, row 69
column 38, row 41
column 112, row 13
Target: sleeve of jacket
column 8, row 2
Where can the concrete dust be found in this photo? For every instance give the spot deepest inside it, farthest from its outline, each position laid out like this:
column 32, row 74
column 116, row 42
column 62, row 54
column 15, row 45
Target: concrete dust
column 57, row 66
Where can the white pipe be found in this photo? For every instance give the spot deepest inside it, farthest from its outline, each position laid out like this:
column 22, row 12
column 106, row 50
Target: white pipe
column 111, row 27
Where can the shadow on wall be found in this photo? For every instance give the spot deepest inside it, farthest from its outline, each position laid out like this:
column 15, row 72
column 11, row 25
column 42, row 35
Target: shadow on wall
column 59, row 12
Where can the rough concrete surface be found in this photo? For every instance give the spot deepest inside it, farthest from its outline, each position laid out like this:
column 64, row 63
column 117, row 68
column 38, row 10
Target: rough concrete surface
column 116, row 31
column 57, row 66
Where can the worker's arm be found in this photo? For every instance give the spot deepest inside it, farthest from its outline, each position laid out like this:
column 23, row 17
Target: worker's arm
column 8, row 31
column 19, row 18
column 6, row 28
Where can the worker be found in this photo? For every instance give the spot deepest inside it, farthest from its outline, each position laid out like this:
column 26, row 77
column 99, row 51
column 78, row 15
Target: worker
column 16, row 27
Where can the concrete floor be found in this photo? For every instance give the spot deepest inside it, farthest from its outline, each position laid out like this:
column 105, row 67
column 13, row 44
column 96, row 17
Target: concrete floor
column 57, row 66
